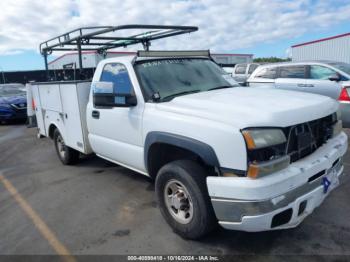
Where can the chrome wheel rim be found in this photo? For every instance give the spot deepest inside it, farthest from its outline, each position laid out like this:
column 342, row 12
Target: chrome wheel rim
column 61, row 146
column 178, row 201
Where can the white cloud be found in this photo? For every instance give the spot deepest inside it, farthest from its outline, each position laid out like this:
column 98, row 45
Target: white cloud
column 223, row 25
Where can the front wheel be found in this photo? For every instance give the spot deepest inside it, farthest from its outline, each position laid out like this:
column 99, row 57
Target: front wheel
column 67, row 155
column 183, row 199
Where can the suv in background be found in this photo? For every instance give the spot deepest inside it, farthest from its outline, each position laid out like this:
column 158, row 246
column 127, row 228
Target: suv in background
column 13, row 102
column 327, row 78
column 241, row 72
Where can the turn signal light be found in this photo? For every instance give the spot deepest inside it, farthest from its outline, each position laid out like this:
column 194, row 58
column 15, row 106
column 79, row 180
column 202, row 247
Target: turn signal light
column 344, row 96
column 249, row 140
column 253, row 171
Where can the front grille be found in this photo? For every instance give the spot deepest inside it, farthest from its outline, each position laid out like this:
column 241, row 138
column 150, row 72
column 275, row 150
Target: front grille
column 304, row 139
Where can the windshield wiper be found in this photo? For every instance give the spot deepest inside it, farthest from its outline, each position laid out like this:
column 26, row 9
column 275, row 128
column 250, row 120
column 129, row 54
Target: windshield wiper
column 169, row 97
column 220, row 87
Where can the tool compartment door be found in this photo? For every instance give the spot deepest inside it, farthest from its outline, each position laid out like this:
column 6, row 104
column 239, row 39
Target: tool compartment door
column 51, row 105
column 71, row 117
column 39, row 111
column 50, row 97
column 83, row 92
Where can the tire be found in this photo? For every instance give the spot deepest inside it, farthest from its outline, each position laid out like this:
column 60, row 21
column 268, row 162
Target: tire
column 189, row 179
column 67, row 155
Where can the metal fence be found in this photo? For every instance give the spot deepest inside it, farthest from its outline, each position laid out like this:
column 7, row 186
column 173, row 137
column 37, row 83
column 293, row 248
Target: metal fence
column 24, row 77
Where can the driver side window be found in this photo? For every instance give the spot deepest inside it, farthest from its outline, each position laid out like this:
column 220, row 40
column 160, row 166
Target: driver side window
column 118, row 75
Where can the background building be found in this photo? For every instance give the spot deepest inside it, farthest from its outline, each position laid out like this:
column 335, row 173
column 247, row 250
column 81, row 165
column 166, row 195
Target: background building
column 335, row 48
column 91, row 59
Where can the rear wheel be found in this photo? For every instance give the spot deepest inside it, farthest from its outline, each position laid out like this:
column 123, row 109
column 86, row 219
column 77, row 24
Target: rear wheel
column 183, row 199
column 67, row 155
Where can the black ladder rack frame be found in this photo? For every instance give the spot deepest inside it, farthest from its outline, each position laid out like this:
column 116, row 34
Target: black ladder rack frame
column 95, row 39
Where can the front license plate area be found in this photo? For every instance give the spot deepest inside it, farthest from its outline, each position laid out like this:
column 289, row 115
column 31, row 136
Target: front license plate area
column 330, row 181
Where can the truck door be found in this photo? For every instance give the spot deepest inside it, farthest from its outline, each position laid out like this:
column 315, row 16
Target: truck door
column 291, row 78
column 115, row 133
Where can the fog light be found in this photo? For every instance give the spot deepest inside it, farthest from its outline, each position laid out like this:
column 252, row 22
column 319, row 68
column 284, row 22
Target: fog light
column 264, row 168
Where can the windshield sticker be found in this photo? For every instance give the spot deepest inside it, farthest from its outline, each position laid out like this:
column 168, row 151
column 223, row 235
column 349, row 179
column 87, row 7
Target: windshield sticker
column 163, row 62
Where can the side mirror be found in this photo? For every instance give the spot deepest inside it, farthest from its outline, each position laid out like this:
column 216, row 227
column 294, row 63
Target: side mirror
column 335, row 77
column 104, row 96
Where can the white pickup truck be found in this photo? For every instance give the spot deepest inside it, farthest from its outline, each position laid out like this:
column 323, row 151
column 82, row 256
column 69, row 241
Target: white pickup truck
column 248, row 159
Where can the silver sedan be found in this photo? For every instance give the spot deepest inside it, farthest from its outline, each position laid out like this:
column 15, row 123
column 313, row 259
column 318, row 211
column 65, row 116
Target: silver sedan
column 327, row 78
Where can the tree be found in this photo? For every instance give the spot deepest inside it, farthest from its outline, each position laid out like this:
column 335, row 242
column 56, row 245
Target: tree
column 271, row 59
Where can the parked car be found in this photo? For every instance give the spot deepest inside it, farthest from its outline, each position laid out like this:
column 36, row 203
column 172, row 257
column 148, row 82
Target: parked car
column 13, row 102
column 228, row 69
column 327, row 78
column 241, row 72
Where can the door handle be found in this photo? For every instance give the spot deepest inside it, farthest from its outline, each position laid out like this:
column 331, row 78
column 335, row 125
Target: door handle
column 301, row 85
column 310, row 85
column 95, row 114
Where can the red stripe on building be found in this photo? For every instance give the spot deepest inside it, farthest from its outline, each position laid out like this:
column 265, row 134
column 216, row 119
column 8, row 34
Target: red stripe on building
column 232, row 54
column 322, row 40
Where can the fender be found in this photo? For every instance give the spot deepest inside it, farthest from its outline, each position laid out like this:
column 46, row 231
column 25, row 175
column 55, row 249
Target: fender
column 205, row 151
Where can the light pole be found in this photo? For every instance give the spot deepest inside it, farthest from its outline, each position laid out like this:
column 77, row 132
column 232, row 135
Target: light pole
column 3, row 75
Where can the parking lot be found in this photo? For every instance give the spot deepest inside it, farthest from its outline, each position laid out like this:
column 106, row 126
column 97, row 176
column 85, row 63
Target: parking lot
column 99, row 208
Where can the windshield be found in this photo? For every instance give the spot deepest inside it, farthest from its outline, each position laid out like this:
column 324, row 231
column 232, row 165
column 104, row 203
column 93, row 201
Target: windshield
column 168, row 78
column 341, row 66
column 10, row 90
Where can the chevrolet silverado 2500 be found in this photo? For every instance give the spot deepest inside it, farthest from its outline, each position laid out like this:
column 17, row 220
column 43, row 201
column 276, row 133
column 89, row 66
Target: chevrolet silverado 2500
column 247, row 159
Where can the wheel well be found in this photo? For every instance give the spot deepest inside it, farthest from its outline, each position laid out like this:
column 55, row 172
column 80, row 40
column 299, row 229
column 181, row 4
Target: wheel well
column 52, row 129
column 161, row 153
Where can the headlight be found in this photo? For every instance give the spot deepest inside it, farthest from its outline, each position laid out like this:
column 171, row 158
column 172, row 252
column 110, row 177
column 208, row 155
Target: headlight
column 5, row 106
column 266, row 151
column 338, row 124
column 260, row 138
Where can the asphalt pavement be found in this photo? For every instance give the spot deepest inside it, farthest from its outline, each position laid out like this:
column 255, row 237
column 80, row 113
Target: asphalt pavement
column 99, row 208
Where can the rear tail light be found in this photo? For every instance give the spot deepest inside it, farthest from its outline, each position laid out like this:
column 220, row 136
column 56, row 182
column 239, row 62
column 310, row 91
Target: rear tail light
column 344, row 96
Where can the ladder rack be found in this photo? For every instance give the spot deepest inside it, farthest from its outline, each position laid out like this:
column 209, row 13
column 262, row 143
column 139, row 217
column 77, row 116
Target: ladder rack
column 102, row 38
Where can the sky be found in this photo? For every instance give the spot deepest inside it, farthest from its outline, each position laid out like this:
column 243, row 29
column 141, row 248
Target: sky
column 259, row 27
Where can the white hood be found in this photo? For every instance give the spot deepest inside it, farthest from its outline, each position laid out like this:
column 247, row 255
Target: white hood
column 252, row 107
